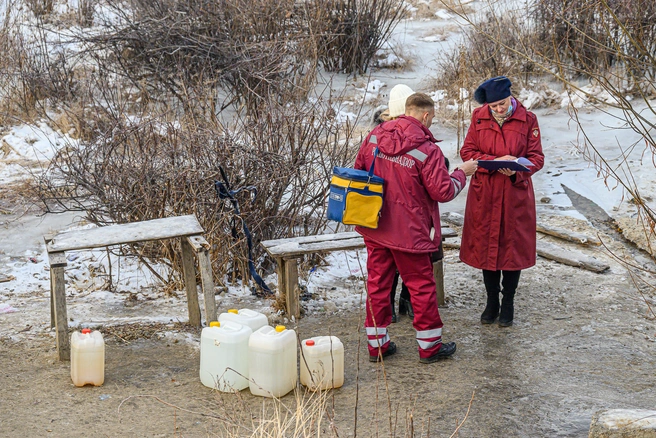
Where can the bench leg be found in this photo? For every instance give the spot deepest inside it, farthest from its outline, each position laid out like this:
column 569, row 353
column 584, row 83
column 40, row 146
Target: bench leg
column 291, row 288
column 438, row 273
column 58, row 292
column 205, row 266
column 189, row 270
column 280, row 270
column 52, row 301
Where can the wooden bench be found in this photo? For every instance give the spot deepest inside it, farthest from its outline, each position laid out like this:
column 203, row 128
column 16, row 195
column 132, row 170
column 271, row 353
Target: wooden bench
column 186, row 228
column 286, row 253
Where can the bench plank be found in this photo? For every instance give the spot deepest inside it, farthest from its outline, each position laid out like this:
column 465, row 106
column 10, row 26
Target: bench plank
column 311, row 239
column 156, row 229
column 297, row 246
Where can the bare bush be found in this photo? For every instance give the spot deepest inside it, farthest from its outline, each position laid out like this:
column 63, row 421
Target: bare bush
column 577, row 38
column 40, row 7
column 171, row 92
column 352, row 31
column 251, row 50
column 33, row 78
column 479, row 56
column 155, row 167
column 595, row 36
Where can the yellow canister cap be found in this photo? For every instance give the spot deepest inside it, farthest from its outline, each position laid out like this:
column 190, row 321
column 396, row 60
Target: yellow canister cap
column 280, row 328
column 215, row 324
column 235, row 311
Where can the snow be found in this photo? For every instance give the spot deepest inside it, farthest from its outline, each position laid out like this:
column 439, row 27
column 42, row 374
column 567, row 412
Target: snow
column 443, row 14
column 372, row 90
column 337, row 284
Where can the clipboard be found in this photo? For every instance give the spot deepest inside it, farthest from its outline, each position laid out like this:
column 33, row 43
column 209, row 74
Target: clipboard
column 521, row 164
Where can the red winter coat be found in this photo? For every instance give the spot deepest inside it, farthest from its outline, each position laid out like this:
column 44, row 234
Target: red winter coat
column 499, row 228
column 416, row 179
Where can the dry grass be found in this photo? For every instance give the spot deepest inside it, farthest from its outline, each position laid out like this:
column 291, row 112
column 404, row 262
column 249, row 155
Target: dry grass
column 425, row 9
column 127, row 333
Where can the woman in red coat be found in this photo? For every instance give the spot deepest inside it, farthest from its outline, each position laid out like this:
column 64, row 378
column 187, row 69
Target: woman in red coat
column 499, row 233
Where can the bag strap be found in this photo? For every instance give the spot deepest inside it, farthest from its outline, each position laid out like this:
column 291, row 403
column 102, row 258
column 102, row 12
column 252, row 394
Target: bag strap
column 373, row 163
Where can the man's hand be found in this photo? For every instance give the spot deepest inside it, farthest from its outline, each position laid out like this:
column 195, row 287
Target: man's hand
column 506, row 158
column 469, row 167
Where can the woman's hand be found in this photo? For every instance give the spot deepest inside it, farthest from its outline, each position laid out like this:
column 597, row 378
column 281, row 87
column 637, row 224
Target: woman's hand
column 506, row 172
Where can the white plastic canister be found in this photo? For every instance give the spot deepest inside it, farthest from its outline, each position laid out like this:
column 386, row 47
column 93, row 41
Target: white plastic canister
column 224, row 356
column 272, row 361
column 255, row 320
column 87, row 358
column 322, row 362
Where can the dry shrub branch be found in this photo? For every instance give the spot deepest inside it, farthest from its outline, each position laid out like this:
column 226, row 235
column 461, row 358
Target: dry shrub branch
column 151, row 167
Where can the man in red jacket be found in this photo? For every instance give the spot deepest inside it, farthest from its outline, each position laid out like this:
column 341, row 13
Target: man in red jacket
column 416, row 179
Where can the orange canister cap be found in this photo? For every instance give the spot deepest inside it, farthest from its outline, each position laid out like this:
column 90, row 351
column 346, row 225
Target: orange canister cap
column 86, row 331
column 310, row 343
column 215, row 324
column 235, row 311
column 280, row 328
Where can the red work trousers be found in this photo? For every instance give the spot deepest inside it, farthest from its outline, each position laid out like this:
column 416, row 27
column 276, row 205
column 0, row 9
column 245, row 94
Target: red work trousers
column 417, row 273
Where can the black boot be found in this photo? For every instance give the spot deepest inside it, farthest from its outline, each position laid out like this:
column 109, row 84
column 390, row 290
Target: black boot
column 507, row 309
column 509, row 282
column 491, row 311
column 405, row 308
column 395, row 317
column 491, row 280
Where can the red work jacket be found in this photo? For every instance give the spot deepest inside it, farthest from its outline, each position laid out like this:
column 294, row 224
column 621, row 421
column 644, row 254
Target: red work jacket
column 416, row 179
column 499, row 228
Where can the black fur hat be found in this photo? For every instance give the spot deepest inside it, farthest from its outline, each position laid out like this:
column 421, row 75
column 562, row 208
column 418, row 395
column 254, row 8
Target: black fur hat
column 493, row 90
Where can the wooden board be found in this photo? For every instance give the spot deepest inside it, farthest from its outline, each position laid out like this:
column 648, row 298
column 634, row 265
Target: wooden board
column 554, row 252
column 5, row 278
column 296, row 246
column 156, row 229
column 571, row 258
column 570, row 236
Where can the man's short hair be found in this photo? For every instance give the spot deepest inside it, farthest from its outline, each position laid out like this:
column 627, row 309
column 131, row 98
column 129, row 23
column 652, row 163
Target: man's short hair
column 419, row 101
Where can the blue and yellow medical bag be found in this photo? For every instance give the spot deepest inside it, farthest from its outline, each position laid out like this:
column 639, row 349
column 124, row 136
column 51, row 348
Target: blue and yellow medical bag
column 356, row 196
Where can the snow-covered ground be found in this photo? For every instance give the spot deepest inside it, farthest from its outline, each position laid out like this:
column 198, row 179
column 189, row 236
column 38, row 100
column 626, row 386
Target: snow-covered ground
column 334, row 286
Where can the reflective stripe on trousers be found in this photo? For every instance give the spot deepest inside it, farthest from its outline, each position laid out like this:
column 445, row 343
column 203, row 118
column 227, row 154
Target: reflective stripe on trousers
column 377, row 337
column 428, row 339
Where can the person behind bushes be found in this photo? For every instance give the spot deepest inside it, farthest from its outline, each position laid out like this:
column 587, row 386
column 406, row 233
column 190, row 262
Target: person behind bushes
column 395, row 108
column 498, row 235
column 416, row 179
